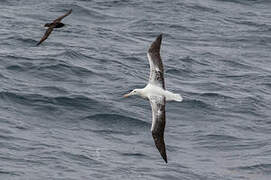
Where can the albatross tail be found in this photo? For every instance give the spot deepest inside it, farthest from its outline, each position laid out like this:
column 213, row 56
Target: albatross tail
column 173, row 97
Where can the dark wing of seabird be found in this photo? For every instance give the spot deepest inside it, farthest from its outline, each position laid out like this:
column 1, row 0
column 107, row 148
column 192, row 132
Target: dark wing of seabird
column 156, row 65
column 45, row 36
column 158, row 123
column 61, row 17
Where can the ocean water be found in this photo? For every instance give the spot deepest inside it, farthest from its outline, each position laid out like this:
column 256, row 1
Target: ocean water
column 62, row 115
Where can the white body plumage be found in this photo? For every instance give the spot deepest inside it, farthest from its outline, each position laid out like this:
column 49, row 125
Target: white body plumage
column 153, row 90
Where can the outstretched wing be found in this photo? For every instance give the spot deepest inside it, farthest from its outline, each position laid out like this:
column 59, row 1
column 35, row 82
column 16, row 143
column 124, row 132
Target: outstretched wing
column 45, row 36
column 158, row 123
column 156, row 65
column 61, row 17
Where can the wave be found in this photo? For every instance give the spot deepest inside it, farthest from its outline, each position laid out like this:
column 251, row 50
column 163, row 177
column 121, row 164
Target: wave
column 198, row 7
column 80, row 158
column 220, row 137
column 262, row 168
column 9, row 173
column 92, row 14
column 133, row 154
column 35, row 100
column 245, row 2
column 216, row 95
column 63, row 68
column 118, row 120
column 196, row 103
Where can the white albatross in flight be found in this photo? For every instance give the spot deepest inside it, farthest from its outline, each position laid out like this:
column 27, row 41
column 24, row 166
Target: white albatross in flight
column 157, row 94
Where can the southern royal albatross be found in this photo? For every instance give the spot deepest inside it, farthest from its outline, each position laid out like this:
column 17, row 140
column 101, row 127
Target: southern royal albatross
column 157, row 94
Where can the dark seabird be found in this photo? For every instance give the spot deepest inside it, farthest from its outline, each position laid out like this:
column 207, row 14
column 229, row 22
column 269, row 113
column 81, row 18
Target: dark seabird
column 55, row 24
column 157, row 94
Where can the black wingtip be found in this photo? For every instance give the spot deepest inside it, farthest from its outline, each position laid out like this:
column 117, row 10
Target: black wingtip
column 160, row 144
column 156, row 45
column 159, row 38
column 69, row 12
column 165, row 158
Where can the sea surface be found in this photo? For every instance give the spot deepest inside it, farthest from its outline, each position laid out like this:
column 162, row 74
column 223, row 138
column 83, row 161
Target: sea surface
column 62, row 114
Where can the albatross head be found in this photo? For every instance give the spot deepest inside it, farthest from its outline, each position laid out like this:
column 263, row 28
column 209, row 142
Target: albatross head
column 134, row 92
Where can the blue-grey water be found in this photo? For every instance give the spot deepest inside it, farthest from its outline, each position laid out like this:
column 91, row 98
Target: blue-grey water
column 62, row 115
